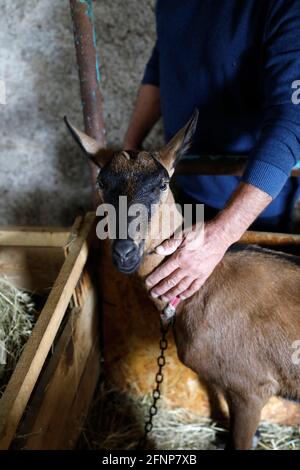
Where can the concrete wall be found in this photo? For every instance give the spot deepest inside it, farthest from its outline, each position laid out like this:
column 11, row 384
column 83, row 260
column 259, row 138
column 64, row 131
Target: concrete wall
column 44, row 178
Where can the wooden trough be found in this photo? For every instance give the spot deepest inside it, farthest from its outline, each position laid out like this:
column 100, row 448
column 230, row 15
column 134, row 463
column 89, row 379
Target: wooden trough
column 46, row 400
column 131, row 332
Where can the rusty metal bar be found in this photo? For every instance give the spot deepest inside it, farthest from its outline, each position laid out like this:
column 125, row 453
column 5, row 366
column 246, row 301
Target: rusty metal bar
column 88, row 69
column 270, row 239
column 217, row 165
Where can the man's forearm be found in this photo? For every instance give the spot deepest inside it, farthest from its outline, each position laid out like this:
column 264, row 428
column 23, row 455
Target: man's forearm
column 145, row 114
column 243, row 208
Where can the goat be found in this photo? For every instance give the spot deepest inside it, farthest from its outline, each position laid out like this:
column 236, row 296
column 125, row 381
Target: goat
column 236, row 332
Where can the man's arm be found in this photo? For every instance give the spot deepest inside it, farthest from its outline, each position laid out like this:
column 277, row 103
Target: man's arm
column 145, row 114
column 241, row 211
column 278, row 144
column 270, row 162
column 196, row 256
column 147, row 108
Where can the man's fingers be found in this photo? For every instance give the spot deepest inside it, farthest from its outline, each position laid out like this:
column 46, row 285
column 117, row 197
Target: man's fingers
column 170, row 282
column 192, row 289
column 168, row 246
column 181, row 287
column 163, row 271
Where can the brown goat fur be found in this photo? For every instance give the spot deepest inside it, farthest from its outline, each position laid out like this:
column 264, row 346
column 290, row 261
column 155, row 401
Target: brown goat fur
column 237, row 333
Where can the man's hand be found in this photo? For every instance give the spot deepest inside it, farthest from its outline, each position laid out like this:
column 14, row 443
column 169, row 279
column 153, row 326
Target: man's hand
column 194, row 257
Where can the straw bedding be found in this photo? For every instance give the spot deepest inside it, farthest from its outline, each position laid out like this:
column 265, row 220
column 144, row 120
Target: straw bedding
column 116, row 421
column 16, row 324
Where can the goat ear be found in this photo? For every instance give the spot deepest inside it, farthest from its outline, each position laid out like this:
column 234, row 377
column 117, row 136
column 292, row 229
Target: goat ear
column 93, row 149
column 179, row 144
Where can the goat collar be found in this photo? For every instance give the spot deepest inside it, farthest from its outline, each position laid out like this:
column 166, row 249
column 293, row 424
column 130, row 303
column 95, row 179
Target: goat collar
column 170, row 310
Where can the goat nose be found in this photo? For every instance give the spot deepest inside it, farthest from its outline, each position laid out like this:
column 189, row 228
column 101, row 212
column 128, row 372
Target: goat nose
column 124, row 249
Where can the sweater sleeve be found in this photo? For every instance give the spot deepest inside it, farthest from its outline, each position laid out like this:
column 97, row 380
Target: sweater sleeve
column 278, row 145
column 151, row 74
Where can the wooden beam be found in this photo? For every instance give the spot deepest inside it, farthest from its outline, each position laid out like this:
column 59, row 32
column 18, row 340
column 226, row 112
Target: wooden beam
column 217, row 165
column 34, row 236
column 23, row 380
column 270, row 238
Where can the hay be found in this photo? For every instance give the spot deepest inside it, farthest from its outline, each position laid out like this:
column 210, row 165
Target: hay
column 275, row 437
column 116, row 422
column 16, row 324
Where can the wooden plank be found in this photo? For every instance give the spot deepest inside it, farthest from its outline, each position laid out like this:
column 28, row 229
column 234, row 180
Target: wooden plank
column 72, row 236
column 50, row 425
column 79, row 410
column 31, row 268
column 270, row 239
column 25, row 429
column 34, row 236
column 18, row 391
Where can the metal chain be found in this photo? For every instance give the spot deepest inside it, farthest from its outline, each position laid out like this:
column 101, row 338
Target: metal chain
column 156, row 393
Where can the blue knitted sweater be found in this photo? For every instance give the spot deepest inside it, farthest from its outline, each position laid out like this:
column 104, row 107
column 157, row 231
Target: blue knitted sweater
column 238, row 61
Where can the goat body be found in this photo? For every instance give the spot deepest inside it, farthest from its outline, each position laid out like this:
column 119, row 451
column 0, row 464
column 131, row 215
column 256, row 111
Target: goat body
column 237, row 333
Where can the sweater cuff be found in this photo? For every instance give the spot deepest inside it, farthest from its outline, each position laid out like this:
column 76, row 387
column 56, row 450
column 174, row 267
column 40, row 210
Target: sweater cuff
column 150, row 77
column 265, row 176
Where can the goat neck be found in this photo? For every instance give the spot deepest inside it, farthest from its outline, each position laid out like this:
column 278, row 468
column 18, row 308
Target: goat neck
column 151, row 259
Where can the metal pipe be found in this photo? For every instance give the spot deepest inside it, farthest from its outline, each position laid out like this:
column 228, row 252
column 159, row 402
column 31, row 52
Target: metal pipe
column 88, row 70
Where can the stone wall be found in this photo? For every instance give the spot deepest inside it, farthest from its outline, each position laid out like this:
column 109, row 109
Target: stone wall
column 44, row 178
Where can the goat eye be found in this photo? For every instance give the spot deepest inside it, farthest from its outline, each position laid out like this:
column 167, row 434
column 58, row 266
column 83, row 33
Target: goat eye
column 163, row 186
column 99, row 184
